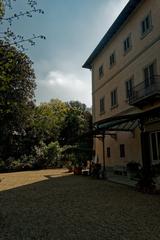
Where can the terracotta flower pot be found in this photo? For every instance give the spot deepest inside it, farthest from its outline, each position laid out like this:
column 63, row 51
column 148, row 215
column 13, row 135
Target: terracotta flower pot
column 77, row 170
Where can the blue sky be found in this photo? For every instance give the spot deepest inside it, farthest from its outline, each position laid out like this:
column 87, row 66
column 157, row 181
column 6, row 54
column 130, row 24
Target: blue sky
column 73, row 29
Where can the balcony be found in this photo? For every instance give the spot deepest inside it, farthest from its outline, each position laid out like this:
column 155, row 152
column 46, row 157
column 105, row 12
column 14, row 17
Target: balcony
column 145, row 92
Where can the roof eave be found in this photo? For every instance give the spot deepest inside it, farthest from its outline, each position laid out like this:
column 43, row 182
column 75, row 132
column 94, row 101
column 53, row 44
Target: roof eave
column 123, row 16
column 87, row 65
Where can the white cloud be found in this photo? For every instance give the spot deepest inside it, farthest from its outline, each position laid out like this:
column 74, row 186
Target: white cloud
column 56, row 78
column 61, row 76
column 64, row 86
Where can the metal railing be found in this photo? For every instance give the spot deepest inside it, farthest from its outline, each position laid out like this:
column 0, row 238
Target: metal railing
column 144, row 90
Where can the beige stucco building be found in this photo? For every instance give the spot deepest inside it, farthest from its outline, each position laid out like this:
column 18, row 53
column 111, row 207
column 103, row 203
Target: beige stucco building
column 126, row 87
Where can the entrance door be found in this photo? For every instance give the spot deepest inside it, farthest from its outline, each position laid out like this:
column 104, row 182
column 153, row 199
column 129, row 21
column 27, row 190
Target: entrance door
column 155, row 147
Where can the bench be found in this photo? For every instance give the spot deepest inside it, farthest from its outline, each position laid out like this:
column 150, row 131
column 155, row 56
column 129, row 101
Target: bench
column 86, row 172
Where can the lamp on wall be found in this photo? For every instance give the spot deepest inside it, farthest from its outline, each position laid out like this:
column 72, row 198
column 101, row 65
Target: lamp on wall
column 112, row 135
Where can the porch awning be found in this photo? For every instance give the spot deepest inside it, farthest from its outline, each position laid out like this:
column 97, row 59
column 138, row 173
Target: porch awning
column 118, row 125
column 126, row 122
column 125, row 126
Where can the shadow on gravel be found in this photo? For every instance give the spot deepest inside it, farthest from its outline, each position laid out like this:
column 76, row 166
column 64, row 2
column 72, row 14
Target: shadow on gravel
column 76, row 207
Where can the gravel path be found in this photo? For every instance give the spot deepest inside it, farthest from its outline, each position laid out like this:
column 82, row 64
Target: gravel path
column 53, row 205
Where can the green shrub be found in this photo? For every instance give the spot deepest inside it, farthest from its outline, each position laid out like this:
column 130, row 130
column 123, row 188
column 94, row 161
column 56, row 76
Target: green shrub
column 53, row 152
column 38, row 159
column 2, row 165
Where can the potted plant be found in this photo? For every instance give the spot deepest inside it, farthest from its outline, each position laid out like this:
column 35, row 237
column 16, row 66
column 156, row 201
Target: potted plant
column 77, row 170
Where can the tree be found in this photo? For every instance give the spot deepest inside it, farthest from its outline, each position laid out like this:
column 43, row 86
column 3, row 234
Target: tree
column 76, row 122
column 77, row 125
column 53, row 153
column 49, row 120
column 65, row 123
column 9, row 37
column 73, row 125
column 77, row 105
column 1, row 8
column 17, row 85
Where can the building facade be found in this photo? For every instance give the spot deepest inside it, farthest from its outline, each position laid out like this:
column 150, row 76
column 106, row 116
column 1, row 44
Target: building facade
column 126, row 87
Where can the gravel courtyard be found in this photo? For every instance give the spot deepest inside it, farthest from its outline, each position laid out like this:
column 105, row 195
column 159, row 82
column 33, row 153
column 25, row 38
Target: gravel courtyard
column 54, row 205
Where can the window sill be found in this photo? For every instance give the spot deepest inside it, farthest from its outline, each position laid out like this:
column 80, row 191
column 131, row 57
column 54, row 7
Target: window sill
column 102, row 113
column 100, row 77
column 143, row 35
column 111, row 66
column 126, row 100
column 115, row 106
column 127, row 51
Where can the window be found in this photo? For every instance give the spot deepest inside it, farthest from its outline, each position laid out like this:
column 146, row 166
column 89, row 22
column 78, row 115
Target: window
column 112, row 59
column 149, row 73
column 102, row 105
column 129, row 88
column 146, row 25
column 114, row 100
column 101, row 73
column 122, row 150
column 127, row 44
column 108, row 152
column 155, row 146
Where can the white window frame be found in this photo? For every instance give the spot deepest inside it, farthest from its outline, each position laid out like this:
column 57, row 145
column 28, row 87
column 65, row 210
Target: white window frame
column 112, row 59
column 144, row 24
column 149, row 73
column 127, row 44
column 130, row 80
column 101, row 71
column 114, row 98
